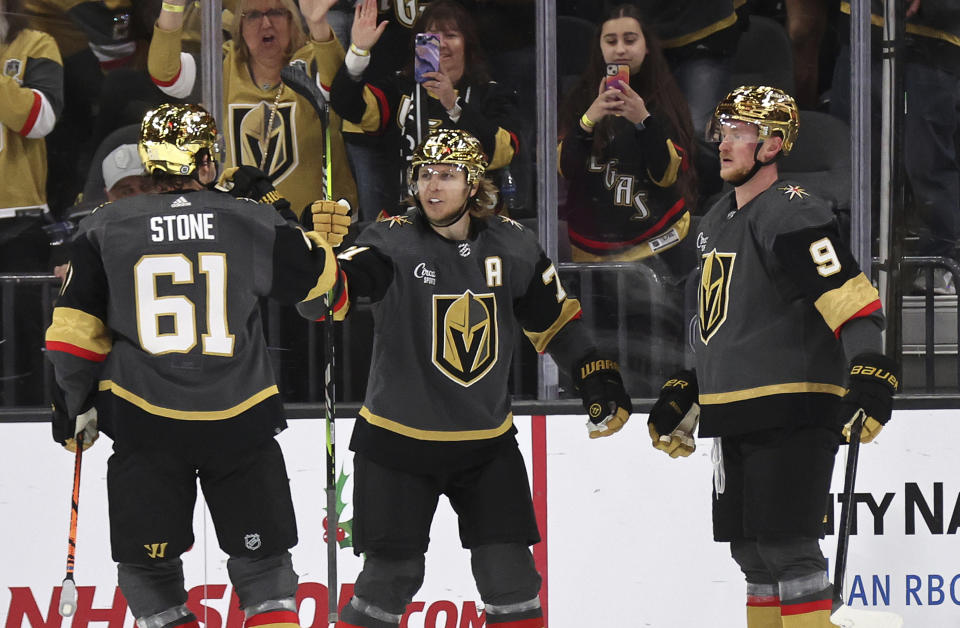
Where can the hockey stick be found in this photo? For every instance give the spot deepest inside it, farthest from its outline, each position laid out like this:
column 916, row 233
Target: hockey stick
column 68, row 589
column 296, row 78
column 843, row 615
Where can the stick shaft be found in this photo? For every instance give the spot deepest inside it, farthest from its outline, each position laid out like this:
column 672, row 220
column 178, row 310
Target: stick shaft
column 846, row 509
column 74, row 508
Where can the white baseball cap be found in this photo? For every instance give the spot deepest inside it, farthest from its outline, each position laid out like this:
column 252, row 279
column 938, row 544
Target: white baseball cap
column 123, row 161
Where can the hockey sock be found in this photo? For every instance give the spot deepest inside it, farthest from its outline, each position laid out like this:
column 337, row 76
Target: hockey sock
column 273, row 619
column 763, row 606
column 809, row 611
column 535, row 622
column 176, row 617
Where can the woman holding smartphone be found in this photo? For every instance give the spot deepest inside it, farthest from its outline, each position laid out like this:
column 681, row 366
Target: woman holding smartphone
column 401, row 110
column 625, row 150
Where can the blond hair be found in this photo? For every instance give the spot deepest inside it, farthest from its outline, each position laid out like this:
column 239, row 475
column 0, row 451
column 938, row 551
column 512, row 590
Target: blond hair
column 298, row 36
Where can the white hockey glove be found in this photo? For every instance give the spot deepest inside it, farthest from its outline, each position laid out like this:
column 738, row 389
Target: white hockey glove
column 674, row 417
column 65, row 430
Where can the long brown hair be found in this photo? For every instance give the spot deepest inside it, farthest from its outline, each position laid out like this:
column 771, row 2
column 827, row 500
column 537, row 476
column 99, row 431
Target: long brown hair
column 298, row 37
column 653, row 82
column 447, row 13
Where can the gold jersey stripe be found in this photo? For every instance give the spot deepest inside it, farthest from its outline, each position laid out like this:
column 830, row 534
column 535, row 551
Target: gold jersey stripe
column 775, row 389
column 328, row 277
column 540, row 339
column 638, row 251
column 673, row 168
column 838, row 305
column 918, row 29
column 435, row 435
column 710, row 29
column 79, row 329
column 187, row 415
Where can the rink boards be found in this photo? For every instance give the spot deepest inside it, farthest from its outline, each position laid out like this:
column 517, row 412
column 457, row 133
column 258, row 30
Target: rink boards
column 628, row 535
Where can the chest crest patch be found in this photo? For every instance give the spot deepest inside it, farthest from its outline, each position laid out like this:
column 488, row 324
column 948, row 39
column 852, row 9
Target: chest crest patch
column 716, row 275
column 465, row 335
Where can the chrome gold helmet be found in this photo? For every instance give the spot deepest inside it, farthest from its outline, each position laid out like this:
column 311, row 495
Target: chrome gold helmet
column 172, row 135
column 770, row 109
column 450, row 146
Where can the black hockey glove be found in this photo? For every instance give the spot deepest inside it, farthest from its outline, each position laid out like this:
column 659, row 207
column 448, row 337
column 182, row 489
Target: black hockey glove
column 65, row 428
column 600, row 386
column 873, row 379
column 674, row 416
column 253, row 183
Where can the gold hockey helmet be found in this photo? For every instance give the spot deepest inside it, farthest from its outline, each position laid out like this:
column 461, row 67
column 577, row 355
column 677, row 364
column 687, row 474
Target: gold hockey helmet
column 172, row 135
column 770, row 109
column 451, row 146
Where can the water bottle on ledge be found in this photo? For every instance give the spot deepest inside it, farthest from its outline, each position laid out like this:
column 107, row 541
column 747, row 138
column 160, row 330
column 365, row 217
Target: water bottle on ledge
column 508, row 190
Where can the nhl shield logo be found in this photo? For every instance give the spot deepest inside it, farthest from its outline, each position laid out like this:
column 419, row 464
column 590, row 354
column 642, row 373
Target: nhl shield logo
column 465, row 338
column 715, row 277
column 252, row 541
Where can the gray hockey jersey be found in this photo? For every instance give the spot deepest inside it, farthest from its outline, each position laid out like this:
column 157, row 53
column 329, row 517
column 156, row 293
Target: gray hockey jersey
column 777, row 284
column 160, row 306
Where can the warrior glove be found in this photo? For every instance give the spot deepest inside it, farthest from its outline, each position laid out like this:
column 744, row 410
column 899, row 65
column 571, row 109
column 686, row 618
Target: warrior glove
column 674, row 416
column 607, row 404
column 65, row 429
column 872, row 381
column 331, row 220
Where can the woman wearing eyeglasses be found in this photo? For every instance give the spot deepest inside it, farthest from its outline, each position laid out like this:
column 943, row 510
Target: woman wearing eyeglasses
column 266, row 124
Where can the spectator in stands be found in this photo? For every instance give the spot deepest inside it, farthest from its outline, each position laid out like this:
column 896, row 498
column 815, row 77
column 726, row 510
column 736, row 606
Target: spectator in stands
column 266, row 124
column 931, row 156
column 806, row 24
column 31, row 98
column 401, row 111
column 123, row 173
column 699, row 39
column 625, row 150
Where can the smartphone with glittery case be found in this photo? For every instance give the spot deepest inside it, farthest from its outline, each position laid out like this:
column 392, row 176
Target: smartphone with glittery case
column 617, row 76
column 426, row 47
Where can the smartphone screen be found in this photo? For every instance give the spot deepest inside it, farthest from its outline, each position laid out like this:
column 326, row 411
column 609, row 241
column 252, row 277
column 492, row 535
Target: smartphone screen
column 617, row 75
column 426, row 55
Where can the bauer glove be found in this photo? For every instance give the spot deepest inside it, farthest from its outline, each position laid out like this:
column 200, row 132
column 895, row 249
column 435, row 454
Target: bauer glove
column 65, row 429
column 253, row 183
column 674, row 416
column 873, row 379
column 607, row 404
column 331, row 220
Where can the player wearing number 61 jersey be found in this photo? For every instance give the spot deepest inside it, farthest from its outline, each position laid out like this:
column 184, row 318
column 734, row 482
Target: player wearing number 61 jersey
column 157, row 337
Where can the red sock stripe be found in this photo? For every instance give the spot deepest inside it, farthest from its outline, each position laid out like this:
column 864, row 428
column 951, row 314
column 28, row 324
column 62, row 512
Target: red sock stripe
column 536, row 622
column 284, row 619
column 344, row 624
column 763, row 600
column 806, row 607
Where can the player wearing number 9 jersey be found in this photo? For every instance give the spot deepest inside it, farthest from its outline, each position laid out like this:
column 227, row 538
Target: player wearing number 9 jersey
column 157, row 336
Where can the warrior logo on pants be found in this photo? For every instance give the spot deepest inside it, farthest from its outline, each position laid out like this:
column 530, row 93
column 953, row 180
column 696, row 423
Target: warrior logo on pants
column 465, row 337
column 716, row 275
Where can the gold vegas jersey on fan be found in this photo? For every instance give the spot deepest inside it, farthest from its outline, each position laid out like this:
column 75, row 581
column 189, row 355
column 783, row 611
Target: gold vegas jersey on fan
column 293, row 144
column 777, row 285
column 31, row 95
column 446, row 318
column 160, row 310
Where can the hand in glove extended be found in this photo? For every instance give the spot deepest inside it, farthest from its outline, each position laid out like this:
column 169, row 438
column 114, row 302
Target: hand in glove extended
column 607, row 404
column 674, row 416
column 873, row 379
column 253, row 183
column 331, row 220
column 65, row 429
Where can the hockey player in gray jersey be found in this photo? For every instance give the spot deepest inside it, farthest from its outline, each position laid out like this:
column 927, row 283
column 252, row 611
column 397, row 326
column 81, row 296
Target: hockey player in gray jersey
column 788, row 352
column 157, row 338
column 451, row 287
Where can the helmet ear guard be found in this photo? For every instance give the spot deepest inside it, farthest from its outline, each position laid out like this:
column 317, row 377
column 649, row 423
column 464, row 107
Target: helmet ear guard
column 771, row 110
column 172, row 136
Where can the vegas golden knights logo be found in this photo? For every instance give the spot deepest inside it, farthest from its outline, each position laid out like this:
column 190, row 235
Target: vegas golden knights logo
column 465, row 339
column 715, row 278
column 252, row 138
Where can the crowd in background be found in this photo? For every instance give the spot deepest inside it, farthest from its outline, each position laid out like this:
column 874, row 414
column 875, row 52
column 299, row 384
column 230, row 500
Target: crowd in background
column 634, row 168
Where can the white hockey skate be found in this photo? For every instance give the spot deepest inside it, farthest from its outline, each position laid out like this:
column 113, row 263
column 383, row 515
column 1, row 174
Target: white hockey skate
column 847, row 617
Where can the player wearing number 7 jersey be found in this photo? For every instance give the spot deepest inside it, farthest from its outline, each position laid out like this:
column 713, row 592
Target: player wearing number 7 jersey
column 157, row 336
